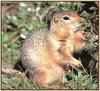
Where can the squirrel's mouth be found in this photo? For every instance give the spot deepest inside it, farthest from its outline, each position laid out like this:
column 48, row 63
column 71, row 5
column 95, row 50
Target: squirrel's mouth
column 79, row 26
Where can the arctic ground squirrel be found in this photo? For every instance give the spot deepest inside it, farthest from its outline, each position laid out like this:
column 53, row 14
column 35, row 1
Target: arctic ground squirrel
column 43, row 52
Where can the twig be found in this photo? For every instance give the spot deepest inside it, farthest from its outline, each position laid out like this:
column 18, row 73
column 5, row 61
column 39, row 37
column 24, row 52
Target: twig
column 84, row 68
column 10, row 71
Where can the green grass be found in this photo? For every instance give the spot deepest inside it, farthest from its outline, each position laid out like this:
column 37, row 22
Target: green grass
column 16, row 82
column 76, row 82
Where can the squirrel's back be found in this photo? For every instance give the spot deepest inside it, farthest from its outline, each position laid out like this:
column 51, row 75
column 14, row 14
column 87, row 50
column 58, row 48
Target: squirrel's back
column 35, row 39
column 32, row 48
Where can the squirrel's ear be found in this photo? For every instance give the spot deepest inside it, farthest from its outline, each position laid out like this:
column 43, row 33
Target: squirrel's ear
column 55, row 19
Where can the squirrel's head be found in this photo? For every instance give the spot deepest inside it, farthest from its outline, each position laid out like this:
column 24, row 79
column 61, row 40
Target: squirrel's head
column 65, row 23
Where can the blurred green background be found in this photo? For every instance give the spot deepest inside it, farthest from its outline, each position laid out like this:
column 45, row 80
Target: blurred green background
column 20, row 18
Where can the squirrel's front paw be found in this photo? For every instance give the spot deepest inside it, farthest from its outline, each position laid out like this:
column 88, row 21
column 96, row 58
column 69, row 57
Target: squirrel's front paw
column 76, row 63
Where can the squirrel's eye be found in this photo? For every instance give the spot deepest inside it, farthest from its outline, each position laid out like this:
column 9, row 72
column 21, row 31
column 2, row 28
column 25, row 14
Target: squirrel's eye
column 66, row 18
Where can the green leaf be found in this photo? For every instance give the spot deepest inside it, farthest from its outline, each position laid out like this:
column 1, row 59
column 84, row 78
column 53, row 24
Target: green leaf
column 14, row 45
column 24, row 31
column 5, row 37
